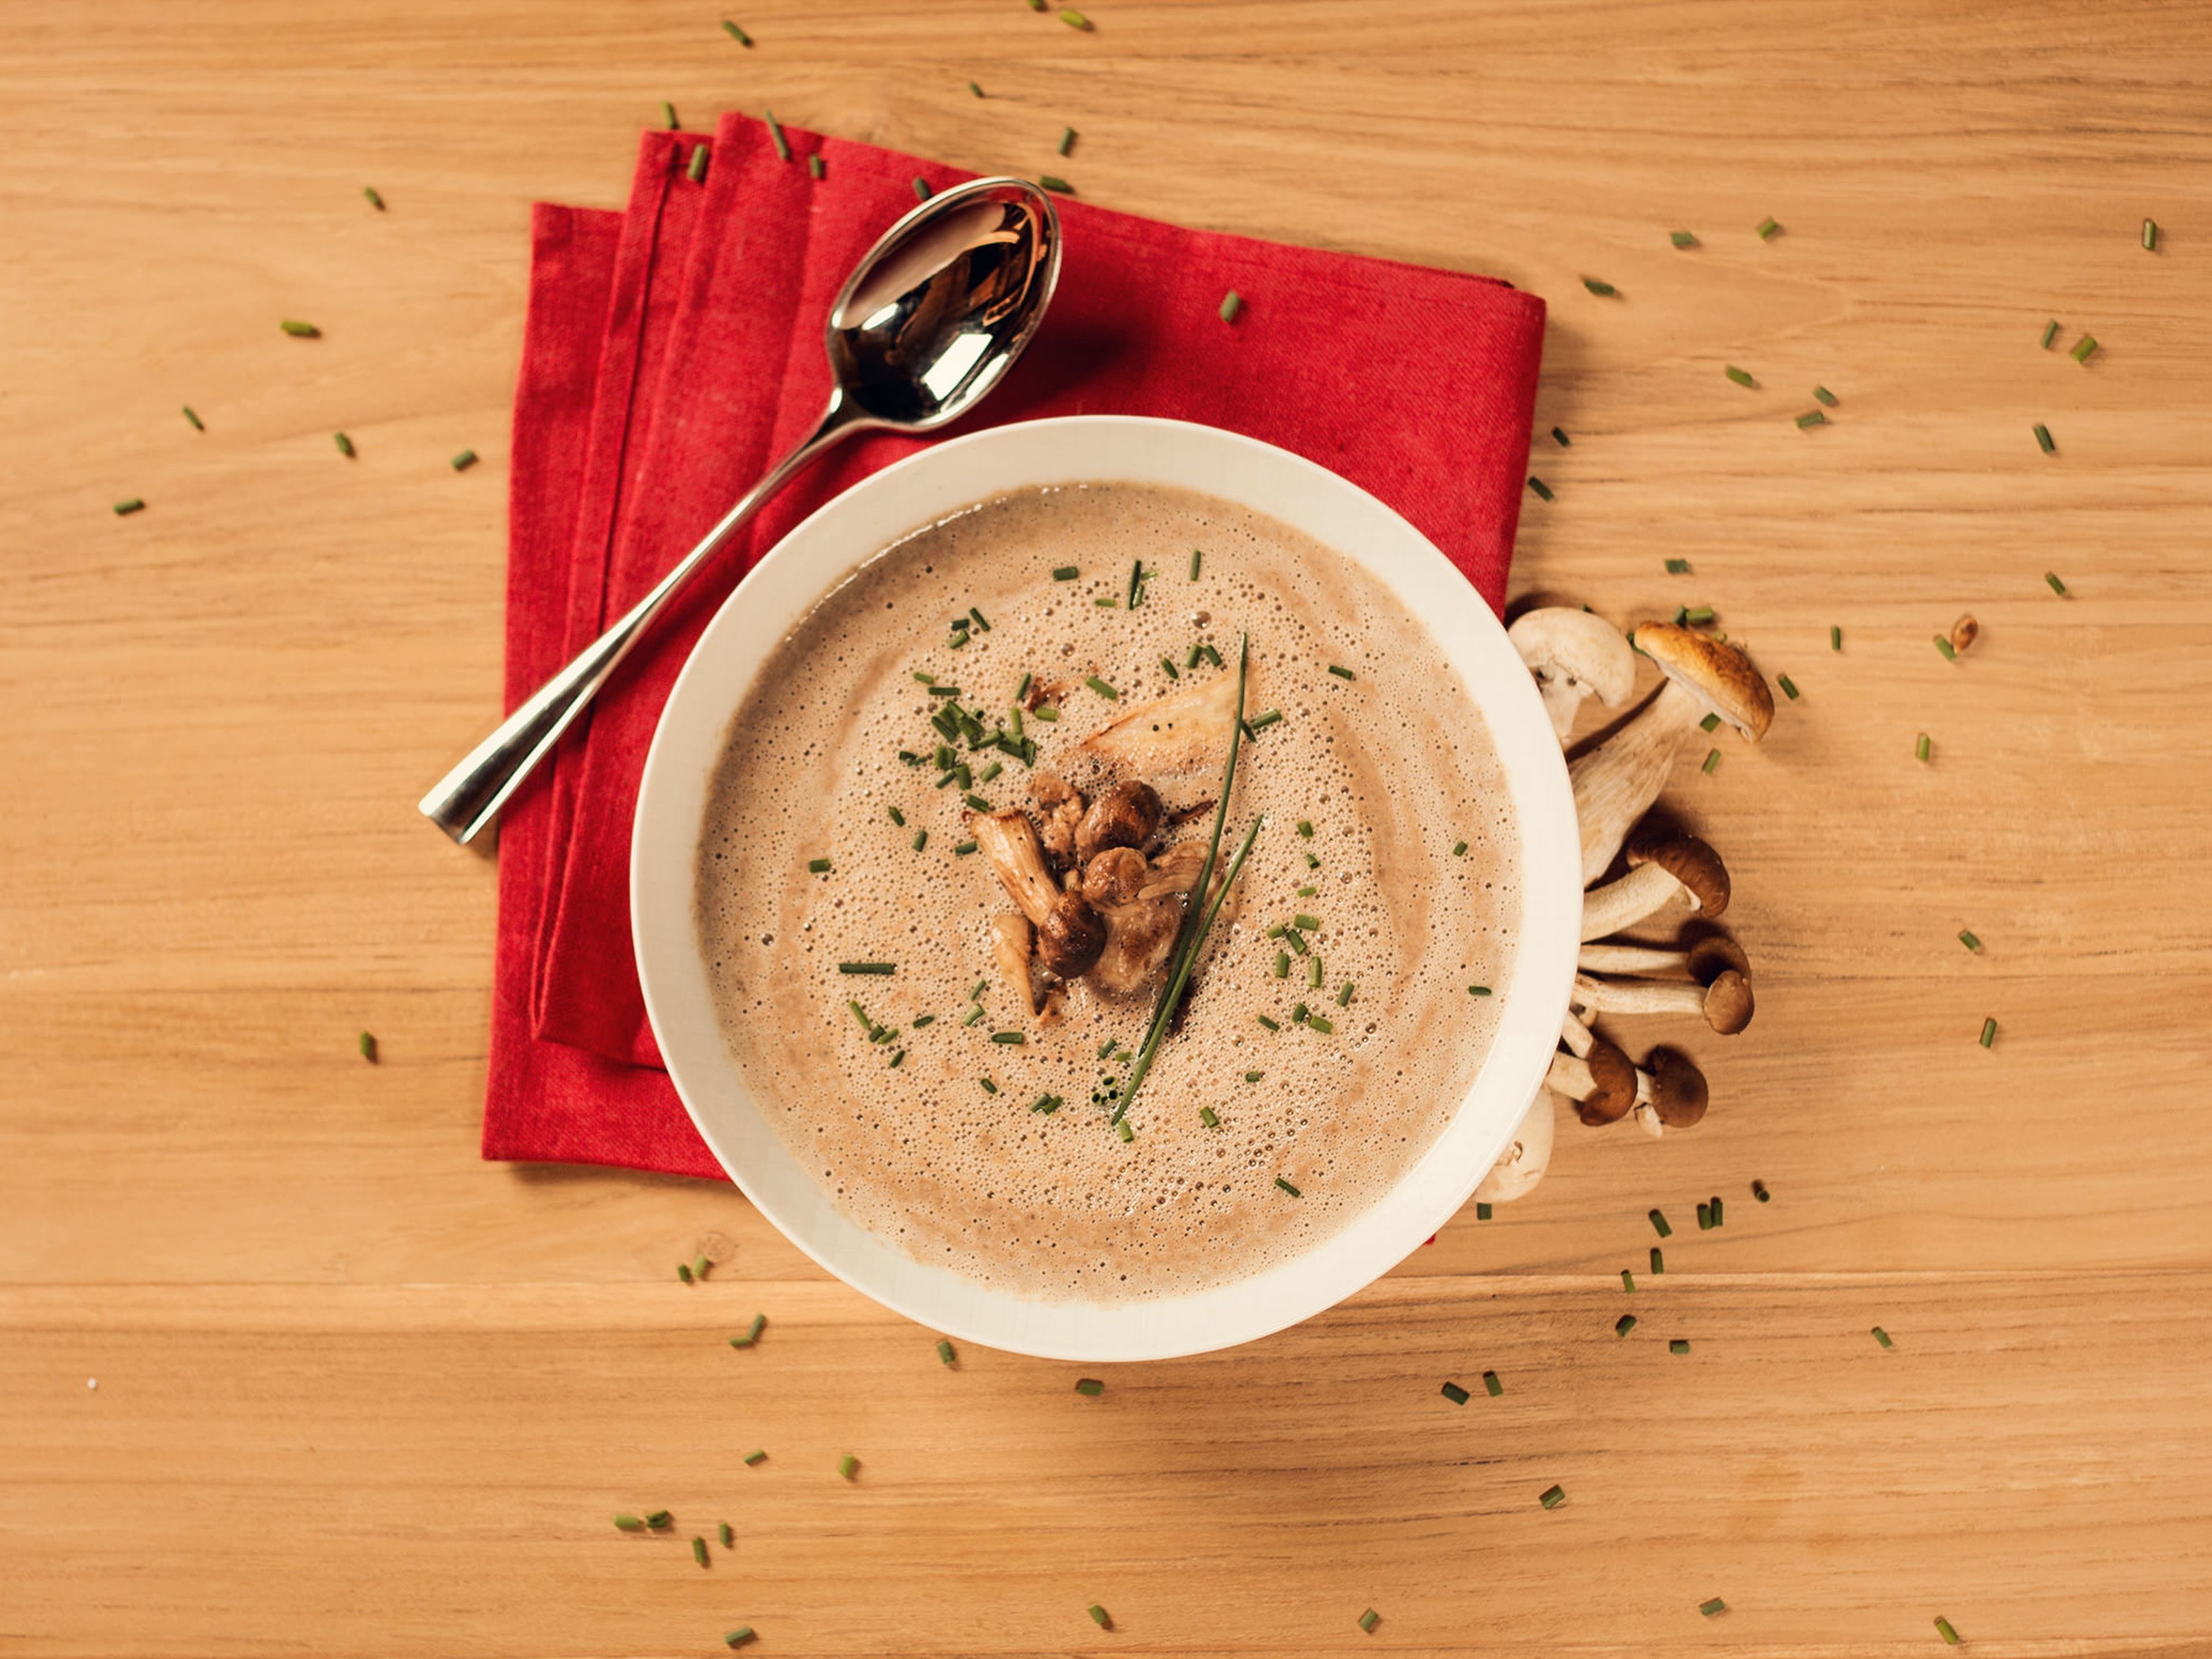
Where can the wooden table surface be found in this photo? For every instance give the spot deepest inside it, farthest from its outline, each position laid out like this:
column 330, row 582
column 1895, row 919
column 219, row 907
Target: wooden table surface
column 359, row 1393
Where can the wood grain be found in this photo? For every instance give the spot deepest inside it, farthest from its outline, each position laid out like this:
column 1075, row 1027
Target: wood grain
column 360, row 1394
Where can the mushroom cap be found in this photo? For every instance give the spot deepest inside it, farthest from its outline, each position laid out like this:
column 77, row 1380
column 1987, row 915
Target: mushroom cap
column 1689, row 860
column 1713, row 955
column 1559, row 642
column 1126, row 815
column 1614, row 1073
column 1678, row 1088
column 1718, row 673
column 1115, row 875
column 1728, row 1002
column 1071, row 937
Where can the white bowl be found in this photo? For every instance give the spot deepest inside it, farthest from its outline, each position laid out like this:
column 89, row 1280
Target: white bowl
column 818, row 553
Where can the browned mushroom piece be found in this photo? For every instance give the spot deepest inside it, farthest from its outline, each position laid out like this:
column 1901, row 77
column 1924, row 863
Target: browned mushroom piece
column 1061, row 806
column 1116, row 876
column 1964, row 632
column 1526, row 1157
column 1675, row 1090
column 1184, row 732
column 1662, row 863
column 1069, row 934
column 1601, row 1084
column 1726, row 1004
column 1617, row 780
column 1011, row 939
column 1125, row 815
column 1573, row 654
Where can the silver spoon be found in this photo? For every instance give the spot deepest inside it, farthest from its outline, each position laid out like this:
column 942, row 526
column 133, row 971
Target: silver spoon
column 928, row 322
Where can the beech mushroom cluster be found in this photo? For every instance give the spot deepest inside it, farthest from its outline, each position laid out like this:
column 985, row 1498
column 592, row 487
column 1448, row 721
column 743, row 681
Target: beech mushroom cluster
column 1706, row 682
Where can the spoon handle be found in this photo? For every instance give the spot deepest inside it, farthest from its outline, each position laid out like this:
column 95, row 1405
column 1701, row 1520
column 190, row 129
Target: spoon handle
column 470, row 796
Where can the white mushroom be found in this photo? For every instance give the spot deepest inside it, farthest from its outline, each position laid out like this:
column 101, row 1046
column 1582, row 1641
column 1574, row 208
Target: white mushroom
column 1186, row 731
column 1526, row 1155
column 1573, row 655
column 1616, row 782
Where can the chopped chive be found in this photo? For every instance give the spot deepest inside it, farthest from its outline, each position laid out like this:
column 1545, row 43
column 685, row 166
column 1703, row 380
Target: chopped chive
column 299, row 330
column 194, row 419
column 1197, row 558
column 848, row 1466
column 1603, row 290
column 2049, row 332
column 668, row 115
column 1758, row 1191
column 1711, row 722
column 1835, row 637
column 1767, row 229
column 1136, row 584
column 752, row 1458
column 1812, row 417
column 751, row 1335
column 1197, row 651
column 1788, row 686
column 1212, row 656
column 1540, row 487
column 1254, row 1077
column 1073, row 19
column 369, row 194
column 1098, row 1616
column 990, row 772
column 1482, row 1212
column 990, row 1087
column 1344, row 996
column 1681, row 615
column 1101, row 687
column 897, row 1059
column 1261, row 722
column 2149, row 238
column 945, row 1356
column 957, row 639
column 1625, row 1324
column 684, row 1272
column 1297, row 941
column 1712, row 1609
column 1067, row 140
column 1287, row 1188
column 659, row 1520
column 1552, row 1497
column 464, row 460
column 1704, row 1218
column 920, row 839
column 2050, row 577
column 1065, row 573
column 1299, row 1014
column 1010, row 1039
column 1969, row 940
column 1282, row 965
column 1478, row 990
column 1368, row 1620
column 897, row 817
column 1698, row 614
column 879, row 968
column 1491, row 1384
column 1681, row 238
column 817, row 866
column 1717, row 1217
column 1712, row 761
column 1106, row 601
column 1741, row 377
column 977, row 802
column 922, row 191
column 1678, row 567
column 2084, row 349
column 1231, row 303
column 1989, row 1032
column 1052, row 182
column 961, row 849
column 1822, row 395
column 699, row 1551
column 1560, row 438
column 1942, row 1625
column 1315, row 1022
column 728, row 1537
column 1679, row 1344
column 744, row 39
column 1123, row 1130
column 814, row 165
column 1307, row 892
column 345, row 444
column 1090, row 1386
column 1311, row 924
column 775, row 136
column 697, row 171
column 1920, row 747
column 1659, row 1224
column 368, row 1048
column 1305, row 828
column 699, row 1267
column 1658, row 1261
column 1950, row 651
column 1882, row 1337
column 1341, row 673
column 1272, row 1024
column 1456, row 1395
column 1313, row 973
column 738, row 1637
column 1206, row 1116
column 629, row 1522
column 1047, row 1104
column 1628, row 1281
column 2043, row 439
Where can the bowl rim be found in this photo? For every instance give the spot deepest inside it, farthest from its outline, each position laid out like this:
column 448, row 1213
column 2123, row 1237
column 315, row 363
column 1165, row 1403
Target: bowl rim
column 834, row 540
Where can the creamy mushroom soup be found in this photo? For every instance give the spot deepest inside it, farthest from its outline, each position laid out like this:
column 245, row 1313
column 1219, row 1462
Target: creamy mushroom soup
column 948, row 851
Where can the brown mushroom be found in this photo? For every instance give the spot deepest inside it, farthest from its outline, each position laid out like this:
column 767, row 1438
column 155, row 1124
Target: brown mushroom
column 1704, row 961
column 1061, row 806
column 1141, row 935
column 1964, row 633
column 1069, row 934
column 1116, row 876
column 1526, row 1157
column 1662, row 863
column 1601, row 1084
column 1573, row 654
column 1011, row 939
column 1617, row 780
column 1726, row 1003
column 1673, row 1090
column 1125, row 815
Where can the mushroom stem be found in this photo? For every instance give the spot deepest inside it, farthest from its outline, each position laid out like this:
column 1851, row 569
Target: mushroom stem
column 1725, row 1005
column 1632, row 958
column 1602, row 1084
column 1577, row 1036
column 1526, row 1155
column 1623, row 903
column 1011, row 939
column 1617, row 782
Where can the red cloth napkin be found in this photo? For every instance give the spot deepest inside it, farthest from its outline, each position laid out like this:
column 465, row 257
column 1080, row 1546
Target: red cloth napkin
column 672, row 353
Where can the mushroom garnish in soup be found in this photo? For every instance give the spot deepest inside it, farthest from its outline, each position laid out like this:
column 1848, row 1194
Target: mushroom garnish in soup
column 956, row 831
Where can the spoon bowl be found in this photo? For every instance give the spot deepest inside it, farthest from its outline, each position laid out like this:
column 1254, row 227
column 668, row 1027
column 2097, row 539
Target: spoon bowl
column 931, row 317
